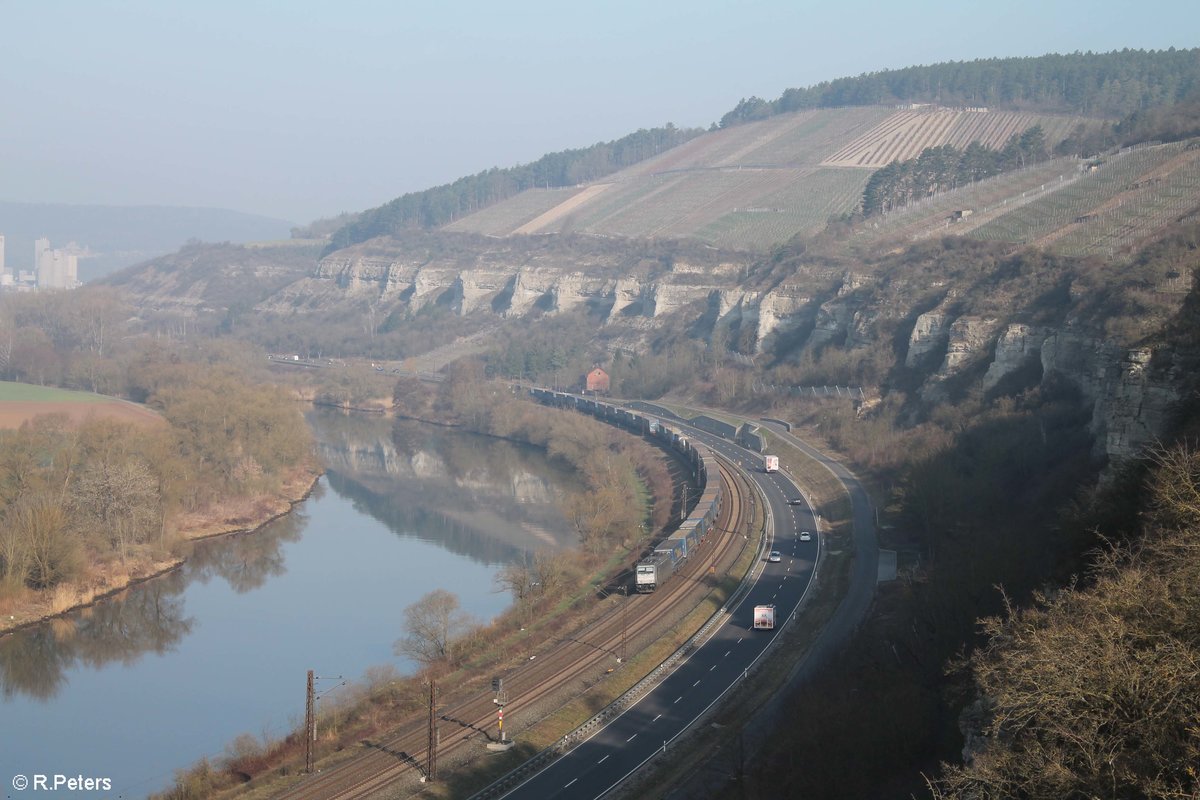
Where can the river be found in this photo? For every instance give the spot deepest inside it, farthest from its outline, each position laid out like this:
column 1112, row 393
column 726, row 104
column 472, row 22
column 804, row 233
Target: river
column 174, row 669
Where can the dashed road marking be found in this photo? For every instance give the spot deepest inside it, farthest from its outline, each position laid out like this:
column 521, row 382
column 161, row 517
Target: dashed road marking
column 601, row 761
column 677, row 699
column 569, row 784
column 631, row 738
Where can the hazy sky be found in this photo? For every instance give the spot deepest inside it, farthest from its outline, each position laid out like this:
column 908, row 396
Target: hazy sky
column 302, row 109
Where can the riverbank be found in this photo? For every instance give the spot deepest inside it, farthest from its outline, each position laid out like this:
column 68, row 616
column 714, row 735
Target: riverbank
column 107, row 580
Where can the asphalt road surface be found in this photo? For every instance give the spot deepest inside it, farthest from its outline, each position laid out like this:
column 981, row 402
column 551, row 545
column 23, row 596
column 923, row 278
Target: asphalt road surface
column 648, row 728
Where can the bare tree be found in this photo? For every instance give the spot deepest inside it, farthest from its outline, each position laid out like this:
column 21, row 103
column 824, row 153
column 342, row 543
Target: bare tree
column 431, row 626
column 121, row 500
column 52, row 550
column 517, row 579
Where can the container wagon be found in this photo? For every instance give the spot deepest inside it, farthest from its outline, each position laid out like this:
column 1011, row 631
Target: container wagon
column 673, row 549
column 655, row 569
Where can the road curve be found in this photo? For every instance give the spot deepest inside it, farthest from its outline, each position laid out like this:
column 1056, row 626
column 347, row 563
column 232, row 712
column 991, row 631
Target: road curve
column 712, row 779
column 649, row 727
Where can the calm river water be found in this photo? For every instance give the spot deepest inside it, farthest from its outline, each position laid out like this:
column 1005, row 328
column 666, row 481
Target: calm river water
column 137, row 687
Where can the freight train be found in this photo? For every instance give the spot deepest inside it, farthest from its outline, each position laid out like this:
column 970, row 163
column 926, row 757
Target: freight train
column 654, row 570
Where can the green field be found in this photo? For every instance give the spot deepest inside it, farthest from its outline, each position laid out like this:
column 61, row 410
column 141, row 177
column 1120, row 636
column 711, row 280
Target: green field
column 28, row 393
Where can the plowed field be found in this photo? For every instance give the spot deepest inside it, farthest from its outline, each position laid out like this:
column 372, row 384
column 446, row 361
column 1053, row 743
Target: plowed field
column 20, row 403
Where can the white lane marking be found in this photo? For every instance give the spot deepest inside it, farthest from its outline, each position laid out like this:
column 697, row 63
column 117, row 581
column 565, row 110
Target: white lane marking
column 631, row 738
column 656, row 718
column 710, row 669
column 601, row 761
column 739, row 641
column 677, row 699
column 727, row 652
column 569, row 784
column 694, row 685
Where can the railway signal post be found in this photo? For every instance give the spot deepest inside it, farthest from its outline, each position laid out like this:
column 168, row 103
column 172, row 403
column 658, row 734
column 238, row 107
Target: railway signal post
column 500, row 699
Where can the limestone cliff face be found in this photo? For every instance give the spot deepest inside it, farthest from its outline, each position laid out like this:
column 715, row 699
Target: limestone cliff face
column 575, row 288
column 1136, row 405
column 509, row 289
column 475, row 290
column 931, row 331
column 969, row 340
column 981, row 336
column 626, row 292
column 665, row 298
column 1082, row 359
column 529, row 287
column 429, row 285
column 1018, row 346
column 780, row 310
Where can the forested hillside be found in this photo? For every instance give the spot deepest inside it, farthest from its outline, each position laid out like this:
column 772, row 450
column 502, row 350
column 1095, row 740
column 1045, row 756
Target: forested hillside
column 1092, row 84
column 443, row 204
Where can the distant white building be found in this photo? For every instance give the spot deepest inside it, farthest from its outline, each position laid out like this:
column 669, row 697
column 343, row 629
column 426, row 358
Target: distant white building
column 39, row 246
column 56, row 269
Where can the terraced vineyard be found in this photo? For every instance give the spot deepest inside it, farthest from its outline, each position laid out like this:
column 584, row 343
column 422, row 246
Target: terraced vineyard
column 694, row 200
column 1170, row 200
column 803, row 207
column 504, row 218
column 802, row 138
column 1127, row 197
column 986, row 200
column 756, row 185
column 905, row 134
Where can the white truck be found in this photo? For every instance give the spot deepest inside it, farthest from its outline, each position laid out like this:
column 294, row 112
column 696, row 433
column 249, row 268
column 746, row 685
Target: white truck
column 764, row 618
column 770, row 463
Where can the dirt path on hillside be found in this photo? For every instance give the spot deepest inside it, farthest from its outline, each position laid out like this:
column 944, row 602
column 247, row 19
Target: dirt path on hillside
column 561, row 210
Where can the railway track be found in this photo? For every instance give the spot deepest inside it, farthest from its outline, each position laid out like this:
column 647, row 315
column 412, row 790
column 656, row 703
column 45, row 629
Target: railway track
column 590, row 652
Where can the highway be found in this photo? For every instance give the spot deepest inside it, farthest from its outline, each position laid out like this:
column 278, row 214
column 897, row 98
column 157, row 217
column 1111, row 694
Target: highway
column 648, row 728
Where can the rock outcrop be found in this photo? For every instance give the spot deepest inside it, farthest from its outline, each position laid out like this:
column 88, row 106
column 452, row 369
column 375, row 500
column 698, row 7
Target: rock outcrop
column 1135, row 408
column 1016, row 348
column 930, row 332
column 977, row 336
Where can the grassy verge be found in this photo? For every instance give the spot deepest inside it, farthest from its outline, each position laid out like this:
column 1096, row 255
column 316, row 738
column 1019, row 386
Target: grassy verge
column 28, row 393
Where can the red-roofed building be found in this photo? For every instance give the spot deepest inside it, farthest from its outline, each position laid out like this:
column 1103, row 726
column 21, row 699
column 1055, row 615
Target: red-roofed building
column 596, row 381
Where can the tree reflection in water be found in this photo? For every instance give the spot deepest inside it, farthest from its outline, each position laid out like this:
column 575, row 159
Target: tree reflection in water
column 147, row 618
